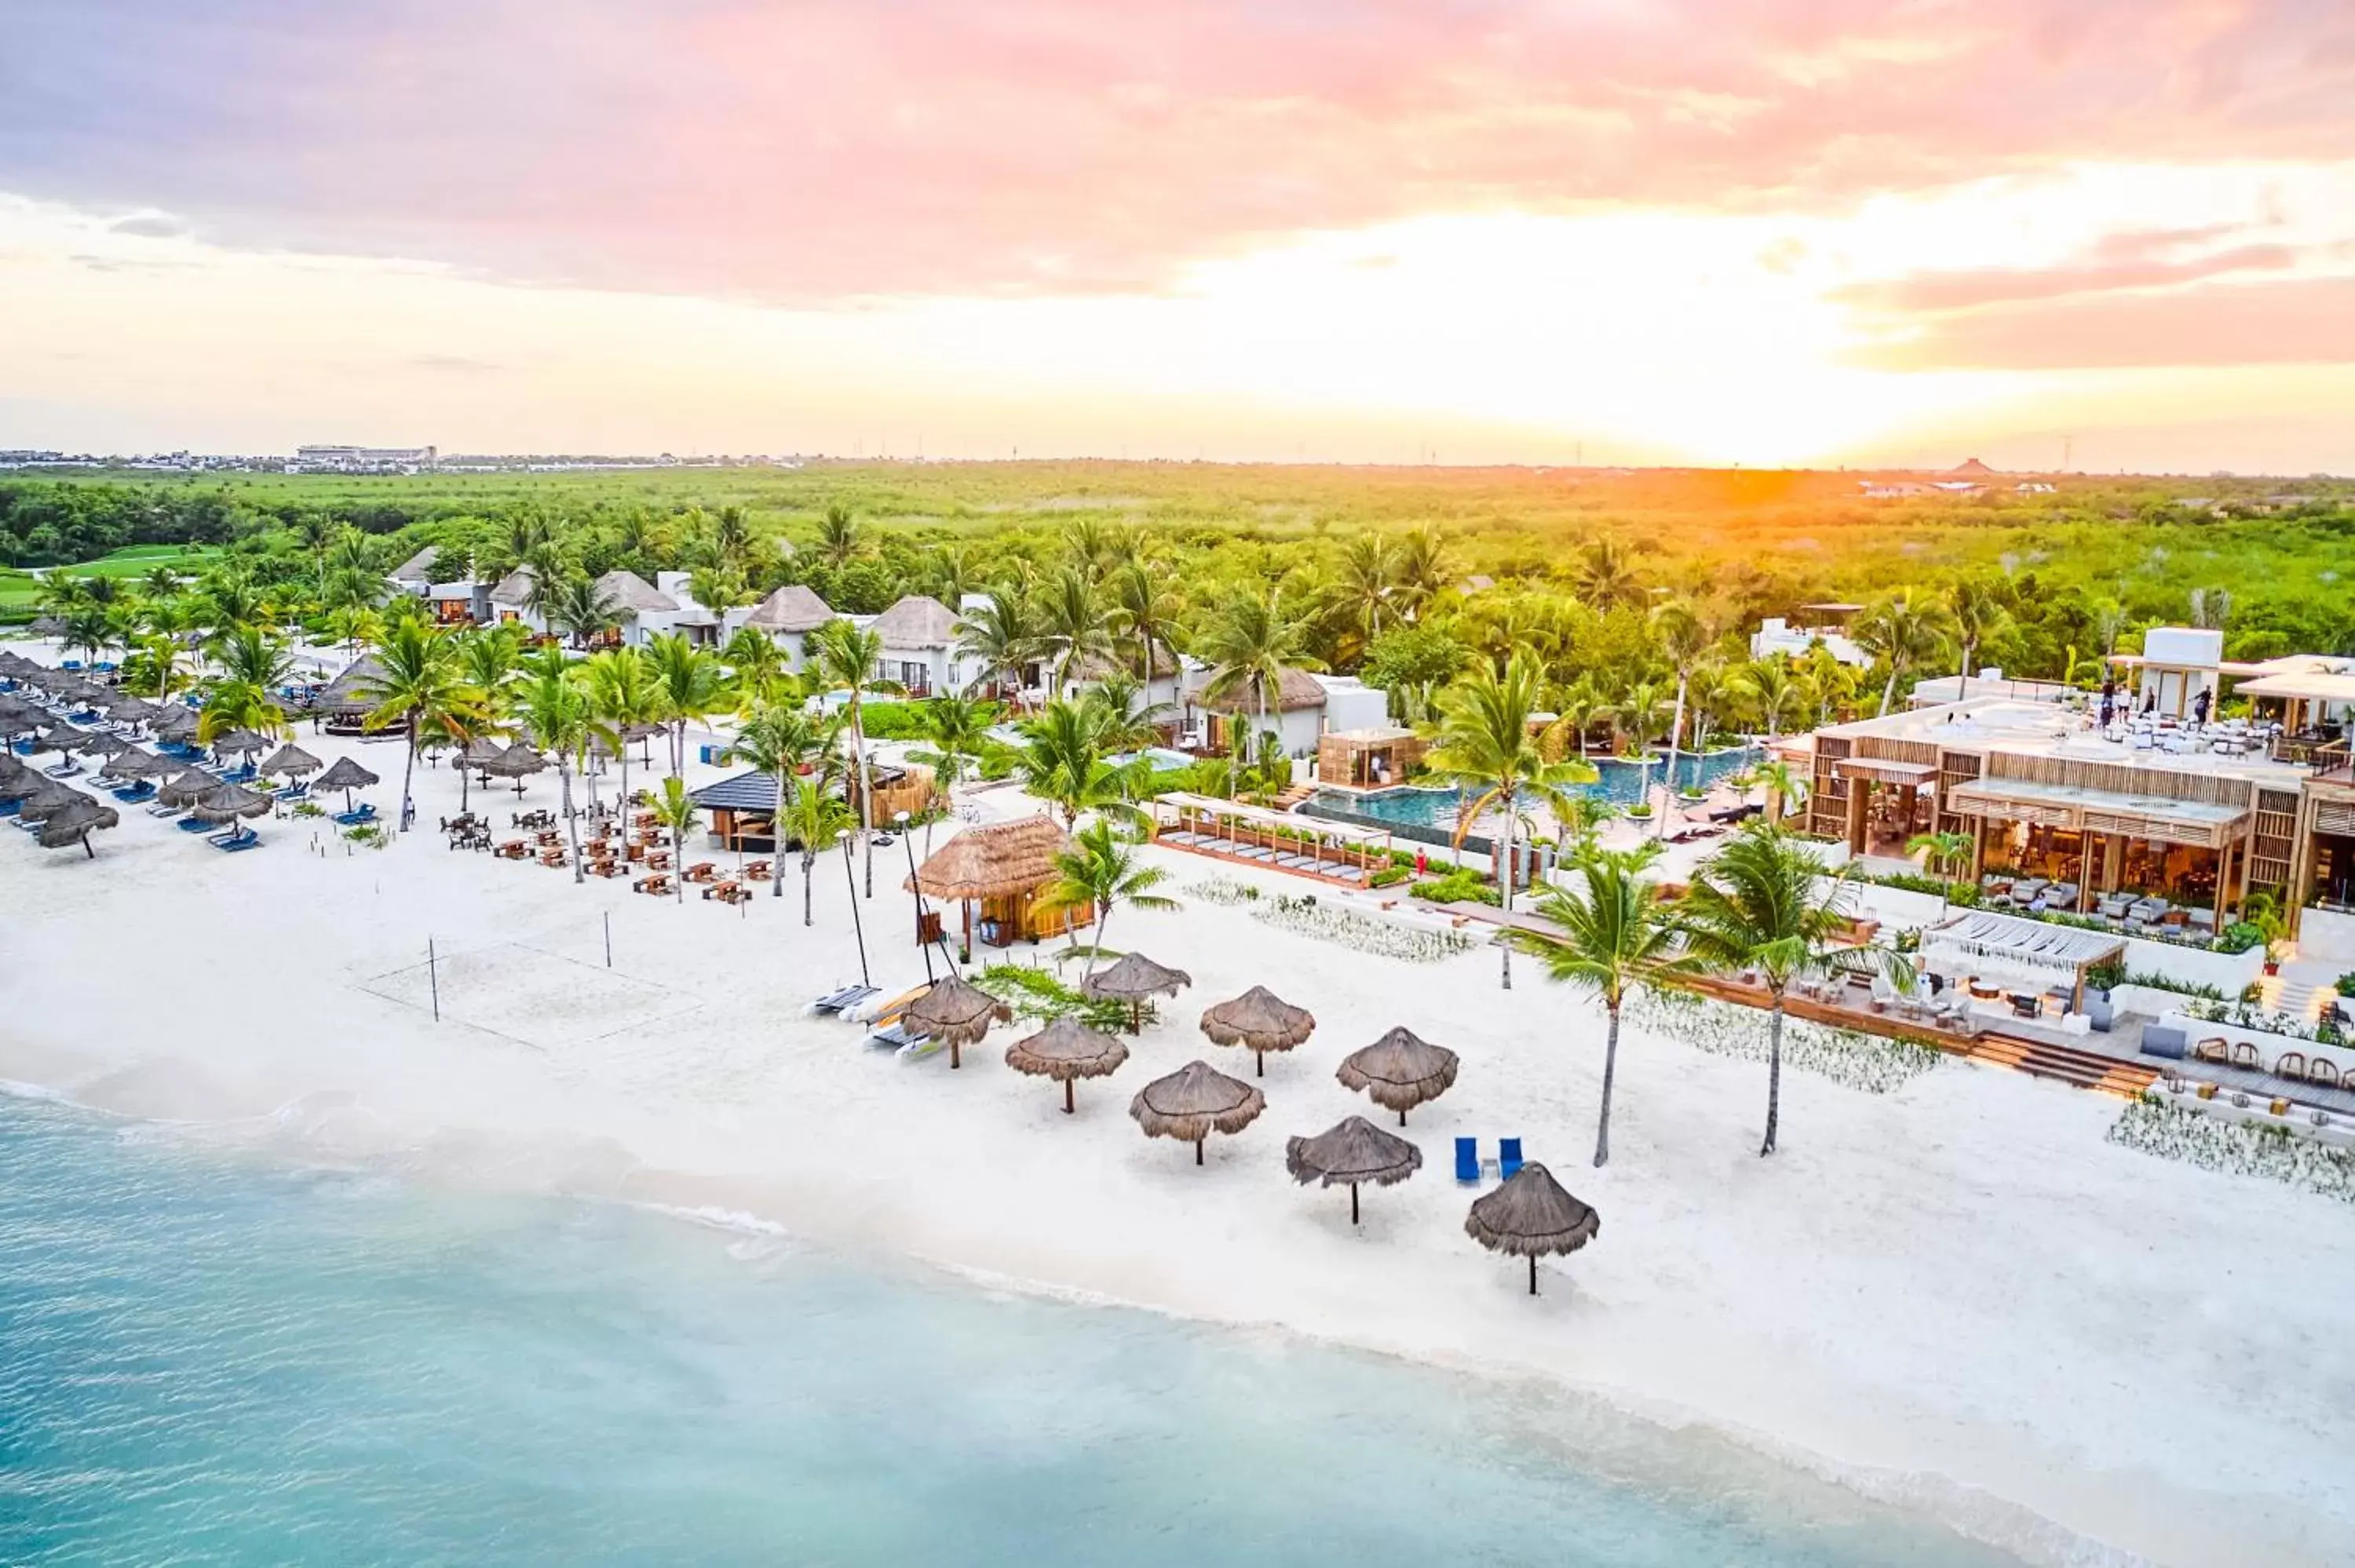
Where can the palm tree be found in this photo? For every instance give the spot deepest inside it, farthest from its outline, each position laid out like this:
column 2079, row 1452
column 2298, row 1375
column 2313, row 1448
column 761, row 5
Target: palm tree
column 1364, row 585
column 554, row 706
column 1617, row 936
column 1485, row 743
column 90, row 628
column 1764, row 903
column 1420, row 568
column 575, row 607
column 1786, row 790
column 675, row 809
column 778, row 740
column 956, row 726
column 1129, row 717
column 689, row 686
column 1002, row 635
column 1061, row 762
column 1943, row 854
column 1102, row 869
column 813, row 817
column 839, row 537
column 1684, row 636
column 622, row 694
column 1638, row 713
column 1772, row 690
column 1075, row 631
column 167, row 659
column 1148, row 612
column 1576, row 706
column 717, row 589
column 417, row 683
column 844, row 656
column 489, row 660
column 1977, row 610
column 1606, row 575
column 253, row 666
column 754, row 658
column 1248, row 648
column 1904, row 631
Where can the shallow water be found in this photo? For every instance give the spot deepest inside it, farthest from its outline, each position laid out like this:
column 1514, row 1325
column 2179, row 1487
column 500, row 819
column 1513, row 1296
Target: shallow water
column 208, row 1360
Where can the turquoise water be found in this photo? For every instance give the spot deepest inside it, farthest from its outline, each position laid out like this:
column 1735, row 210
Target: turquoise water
column 206, row 1360
column 1621, row 784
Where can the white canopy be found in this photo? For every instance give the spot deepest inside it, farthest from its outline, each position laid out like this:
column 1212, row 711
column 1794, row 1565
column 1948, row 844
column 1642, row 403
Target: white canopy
column 2006, row 946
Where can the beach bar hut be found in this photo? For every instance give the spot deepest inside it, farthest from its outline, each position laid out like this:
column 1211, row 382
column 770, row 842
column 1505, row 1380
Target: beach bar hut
column 1005, row 869
column 344, row 705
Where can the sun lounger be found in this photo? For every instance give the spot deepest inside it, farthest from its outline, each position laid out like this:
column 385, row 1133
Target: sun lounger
column 894, row 1035
column 355, row 818
column 1467, row 1161
column 163, row 811
column 1509, row 1157
column 842, row 1000
column 197, row 825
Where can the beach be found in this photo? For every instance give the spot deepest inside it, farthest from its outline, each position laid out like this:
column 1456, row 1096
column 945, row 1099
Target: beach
column 1956, row 1296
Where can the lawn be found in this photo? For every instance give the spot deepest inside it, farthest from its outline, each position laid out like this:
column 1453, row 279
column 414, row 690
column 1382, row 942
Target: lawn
column 138, row 560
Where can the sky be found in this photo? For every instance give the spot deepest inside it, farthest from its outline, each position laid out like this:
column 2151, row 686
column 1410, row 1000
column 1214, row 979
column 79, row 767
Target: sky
column 1870, row 232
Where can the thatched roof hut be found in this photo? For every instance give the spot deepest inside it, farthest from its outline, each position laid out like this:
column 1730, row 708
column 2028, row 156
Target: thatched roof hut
column 957, row 1012
column 1352, row 1151
column 1131, row 979
column 1400, row 1070
column 1005, row 867
column 1295, row 689
column 291, row 759
column 1531, row 1216
column 1194, row 1102
column 73, row 823
column 1260, row 1020
column 347, row 701
column 1064, row 1051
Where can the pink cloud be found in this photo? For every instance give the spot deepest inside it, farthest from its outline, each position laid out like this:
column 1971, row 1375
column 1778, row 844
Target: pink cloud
column 2306, row 322
column 1935, row 291
column 814, row 148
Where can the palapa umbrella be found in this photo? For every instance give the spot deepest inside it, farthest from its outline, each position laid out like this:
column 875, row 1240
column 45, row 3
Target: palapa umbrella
column 1131, row 979
column 955, row 1013
column 1066, row 1050
column 515, row 762
column 1400, row 1070
column 240, row 743
column 1354, row 1150
column 103, row 743
column 59, row 737
column 345, row 775
column 481, row 752
column 136, row 764
column 292, row 760
column 1194, row 1102
column 226, row 803
column 185, row 787
column 18, row 716
column 1530, row 1216
column 1260, row 1020
column 130, row 710
column 45, row 798
column 12, row 767
column 176, row 724
column 73, row 823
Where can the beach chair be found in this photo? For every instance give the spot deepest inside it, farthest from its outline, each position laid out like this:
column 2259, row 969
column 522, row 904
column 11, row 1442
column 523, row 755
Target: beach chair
column 1509, row 1158
column 196, row 825
column 1467, row 1161
column 2245, row 1055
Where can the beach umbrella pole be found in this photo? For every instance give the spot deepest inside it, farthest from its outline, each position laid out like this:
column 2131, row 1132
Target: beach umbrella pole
column 1353, row 1202
column 1198, row 1149
column 1067, row 1093
column 1533, row 1274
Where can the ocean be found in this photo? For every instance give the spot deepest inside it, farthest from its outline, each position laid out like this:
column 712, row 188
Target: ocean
column 205, row 1359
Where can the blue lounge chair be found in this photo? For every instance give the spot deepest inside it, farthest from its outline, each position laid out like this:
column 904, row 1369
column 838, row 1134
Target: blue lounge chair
column 1509, row 1157
column 198, row 825
column 10, row 807
column 1467, row 1161
column 132, row 794
column 365, row 813
column 240, row 842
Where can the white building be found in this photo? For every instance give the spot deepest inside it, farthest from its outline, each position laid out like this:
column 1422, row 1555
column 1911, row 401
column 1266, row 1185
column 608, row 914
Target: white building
column 1825, row 623
column 788, row 617
column 1306, row 708
column 362, row 459
column 511, row 601
column 459, row 601
column 919, row 654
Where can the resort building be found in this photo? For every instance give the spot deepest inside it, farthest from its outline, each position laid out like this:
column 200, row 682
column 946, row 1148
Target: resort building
column 2155, row 822
column 787, row 617
column 919, row 654
column 1306, row 708
column 459, row 601
column 998, row 876
column 651, row 610
column 1822, row 623
column 511, row 603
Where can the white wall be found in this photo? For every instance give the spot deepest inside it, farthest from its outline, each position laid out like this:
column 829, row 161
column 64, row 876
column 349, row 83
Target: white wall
column 2270, row 1047
column 2228, row 972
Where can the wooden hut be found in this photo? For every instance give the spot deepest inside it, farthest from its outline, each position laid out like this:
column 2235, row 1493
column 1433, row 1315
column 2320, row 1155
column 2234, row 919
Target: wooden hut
column 344, row 705
column 999, row 876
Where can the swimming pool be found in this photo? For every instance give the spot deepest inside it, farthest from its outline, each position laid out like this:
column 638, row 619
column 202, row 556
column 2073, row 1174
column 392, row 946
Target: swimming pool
column 1620, row 784
column 1163, row 758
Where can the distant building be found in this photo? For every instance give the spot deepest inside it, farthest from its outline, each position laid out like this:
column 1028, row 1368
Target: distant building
column 1824, row 623
column 362, row 459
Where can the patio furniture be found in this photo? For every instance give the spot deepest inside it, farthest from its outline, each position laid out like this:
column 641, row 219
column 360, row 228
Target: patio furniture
column 2203, row 922
column 2290, row 1065
column 2114, row 906
column 2245, row 1055
column 2323, row 1073
column 2061, row 895
column 2209, row 1050
column 2099, row 1014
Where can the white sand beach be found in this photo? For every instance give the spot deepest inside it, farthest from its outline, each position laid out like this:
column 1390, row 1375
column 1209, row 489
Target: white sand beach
column 1957, row 1296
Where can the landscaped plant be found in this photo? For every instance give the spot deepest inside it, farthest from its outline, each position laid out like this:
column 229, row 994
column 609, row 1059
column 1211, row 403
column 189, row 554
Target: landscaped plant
column 1463, row 886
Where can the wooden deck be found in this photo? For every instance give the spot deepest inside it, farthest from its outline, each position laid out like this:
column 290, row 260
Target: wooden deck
column 1333, row 872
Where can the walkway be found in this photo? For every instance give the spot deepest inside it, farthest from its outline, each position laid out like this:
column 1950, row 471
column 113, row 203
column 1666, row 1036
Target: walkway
column 1265, row 859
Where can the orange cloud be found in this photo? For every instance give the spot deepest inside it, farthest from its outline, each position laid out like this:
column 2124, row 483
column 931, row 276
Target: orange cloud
column 2305, row 322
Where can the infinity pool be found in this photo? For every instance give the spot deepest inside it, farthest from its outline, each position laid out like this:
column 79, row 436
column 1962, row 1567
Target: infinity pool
column 1621, row 784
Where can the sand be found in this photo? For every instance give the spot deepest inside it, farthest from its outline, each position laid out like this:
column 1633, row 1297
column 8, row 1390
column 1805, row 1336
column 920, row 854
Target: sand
column 1957, row 1296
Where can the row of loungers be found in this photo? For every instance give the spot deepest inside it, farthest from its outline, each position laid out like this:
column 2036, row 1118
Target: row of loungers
column 1260, row 854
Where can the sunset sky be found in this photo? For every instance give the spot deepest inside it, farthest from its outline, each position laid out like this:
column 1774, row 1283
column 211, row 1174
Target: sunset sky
column 1819, row 231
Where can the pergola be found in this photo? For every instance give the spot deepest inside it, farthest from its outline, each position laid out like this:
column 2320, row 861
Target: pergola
column 2101, row 813
column 2030, row 953
column 2307, row 696
column 1368, row 758
column 1234, row 827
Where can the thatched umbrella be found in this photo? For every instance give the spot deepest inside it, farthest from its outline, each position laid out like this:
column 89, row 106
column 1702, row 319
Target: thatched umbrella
column 227, row 803
column 1531, row 1216
column 136, row 764
column 45, row 798
column 102, row 743
column 957, row 1012
column 1194, row 1102
column 59, row 737
column 515, row 762
column 1260, row 1020
column 18, row 716
column 130, row 710
column 1355, row 1151
column 72, row 823
column 292, row 760
column 1400, row 1070
column 482, row 751
column 12, row 767
column 1066, row 1050
column 1133, row 979
column 176, row 724
column 185, row 787
column 345, row 775
column 240, row 743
